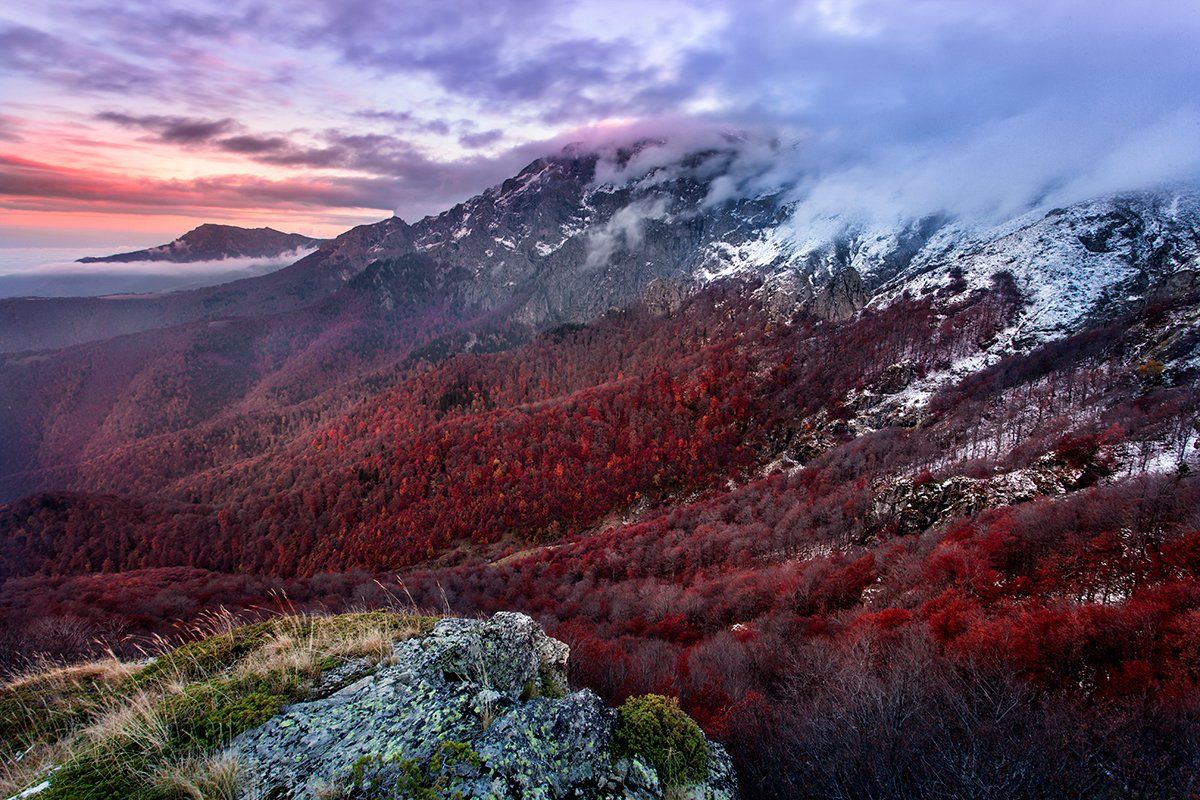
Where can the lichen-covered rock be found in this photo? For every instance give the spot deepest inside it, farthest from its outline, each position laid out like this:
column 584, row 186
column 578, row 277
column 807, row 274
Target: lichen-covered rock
column 474, row 709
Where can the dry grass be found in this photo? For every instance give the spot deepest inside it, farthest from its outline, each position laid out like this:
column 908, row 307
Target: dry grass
column 286, row 653
column 133, row 722
column 373, row 641
column 212, row 777
column 54, row 679
column 113, row 706
column 303, row 645
column 44, row 710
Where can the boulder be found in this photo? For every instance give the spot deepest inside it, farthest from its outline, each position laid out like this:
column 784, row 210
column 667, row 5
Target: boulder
column 474, row 709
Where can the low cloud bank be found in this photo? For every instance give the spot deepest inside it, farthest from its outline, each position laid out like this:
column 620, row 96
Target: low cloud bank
column 988, row 174
column 61, row 278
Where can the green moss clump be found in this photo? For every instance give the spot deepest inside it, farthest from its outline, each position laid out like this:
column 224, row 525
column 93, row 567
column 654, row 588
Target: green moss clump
column 433, row 780
column 364, row 769
column 551, row 687
column 452, row 755
column 111, row 773
column 206, row 715
column 656, row 729
column 545, row 685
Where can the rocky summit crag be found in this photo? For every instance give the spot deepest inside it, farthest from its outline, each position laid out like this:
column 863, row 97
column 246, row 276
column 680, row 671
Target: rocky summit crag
column 474, row 709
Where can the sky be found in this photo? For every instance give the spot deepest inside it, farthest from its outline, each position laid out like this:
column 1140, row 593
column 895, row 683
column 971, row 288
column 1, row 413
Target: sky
column 127, row 122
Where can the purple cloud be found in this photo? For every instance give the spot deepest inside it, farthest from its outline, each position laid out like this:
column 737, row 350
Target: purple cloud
column 406, row 121
column 27, row 51
column 8, row 128
column 175, row 130
column 32, row 185
column 481, row 139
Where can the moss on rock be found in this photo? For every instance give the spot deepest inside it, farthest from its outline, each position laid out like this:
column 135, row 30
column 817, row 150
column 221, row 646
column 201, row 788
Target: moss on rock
column 657, row 730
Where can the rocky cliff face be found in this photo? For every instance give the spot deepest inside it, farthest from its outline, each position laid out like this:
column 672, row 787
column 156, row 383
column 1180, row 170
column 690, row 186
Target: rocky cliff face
column 474, row 709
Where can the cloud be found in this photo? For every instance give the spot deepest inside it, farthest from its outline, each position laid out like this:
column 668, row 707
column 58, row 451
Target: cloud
column 175, row 130
column 52, row 59
column 623, row 230
column 367, row 152
column 885, row 109
column 71, row 279
column 355, row 169
column 405, row 121
column 409, row 183
column 29, row 184
column 251, row 145
column 879, row 106
column 8, row 128
column 481, row 139
column 493, row 52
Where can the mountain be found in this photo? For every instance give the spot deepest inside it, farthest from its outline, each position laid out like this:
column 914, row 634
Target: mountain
column 859, row 493
column 211, row 242
column 35, row 323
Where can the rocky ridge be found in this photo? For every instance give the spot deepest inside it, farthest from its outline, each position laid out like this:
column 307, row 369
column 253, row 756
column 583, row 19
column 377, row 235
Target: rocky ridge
column 576, row 234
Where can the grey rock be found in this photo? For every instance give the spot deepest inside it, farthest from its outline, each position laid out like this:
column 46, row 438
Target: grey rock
column 474, row 709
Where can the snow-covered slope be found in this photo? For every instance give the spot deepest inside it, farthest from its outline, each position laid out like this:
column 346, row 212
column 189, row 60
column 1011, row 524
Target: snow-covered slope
column 1070, row 264
column 574, row 235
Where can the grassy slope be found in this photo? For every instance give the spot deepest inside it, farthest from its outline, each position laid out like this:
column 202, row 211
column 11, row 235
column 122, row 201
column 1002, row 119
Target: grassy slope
column 150, row 731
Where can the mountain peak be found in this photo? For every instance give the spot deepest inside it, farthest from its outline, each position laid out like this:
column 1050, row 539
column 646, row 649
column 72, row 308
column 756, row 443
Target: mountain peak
column 214, row 242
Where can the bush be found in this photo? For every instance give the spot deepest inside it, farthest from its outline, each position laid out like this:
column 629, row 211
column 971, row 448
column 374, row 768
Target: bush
column 656, row 729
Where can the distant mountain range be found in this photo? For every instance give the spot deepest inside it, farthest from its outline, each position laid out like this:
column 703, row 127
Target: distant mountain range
column 211, row 242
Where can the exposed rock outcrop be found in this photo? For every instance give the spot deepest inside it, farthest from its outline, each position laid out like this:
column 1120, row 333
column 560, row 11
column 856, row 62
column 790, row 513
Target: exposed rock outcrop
column 475, row 709
column 841, row 298
column 914, row 506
